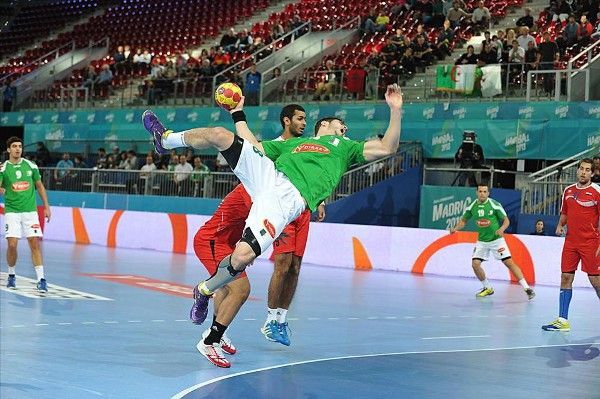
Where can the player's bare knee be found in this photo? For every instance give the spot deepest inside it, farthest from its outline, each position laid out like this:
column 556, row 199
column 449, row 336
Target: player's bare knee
column 566, row 279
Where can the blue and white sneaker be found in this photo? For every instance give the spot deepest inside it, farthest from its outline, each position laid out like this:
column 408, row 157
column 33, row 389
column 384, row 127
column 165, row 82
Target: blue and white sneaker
column 285, row 339
column 41, row 286
column 199, row 310
column 12, row 282
column 156, row 129
column 271, row 331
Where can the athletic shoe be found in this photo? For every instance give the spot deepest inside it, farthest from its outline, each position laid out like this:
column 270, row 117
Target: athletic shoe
column 42, row 286
column 12, row 282
column 199, row 311
column 285, row 339
column 271, row 331
column 156, row 129
column 213, row 353
column 485, row 292
column 225, row 343
column 530, row 293
column 558, row 325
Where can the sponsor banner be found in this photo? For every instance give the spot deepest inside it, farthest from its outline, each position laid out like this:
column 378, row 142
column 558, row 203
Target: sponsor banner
column 422, row 251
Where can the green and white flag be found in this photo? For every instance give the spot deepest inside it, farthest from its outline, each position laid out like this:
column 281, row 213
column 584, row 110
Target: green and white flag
column 456, row 78
column 491, row 81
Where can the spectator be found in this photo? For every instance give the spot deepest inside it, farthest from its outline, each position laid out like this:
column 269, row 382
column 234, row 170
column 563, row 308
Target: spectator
column 584, row 32
column 481, row 17
column 276, row 32
column 486, row 39
column 399, row 6
column 455, row 14
column 439, row 16
column 122, row 160
column 199, row 173
column 296, row 24
column 111, row 162
column 190, row 155
column 89, row 76
column 389, row 52
column 229, row 40
column 145, row 173
column 527, row 19
column 516, row 55
column 127, row 54
column 444, row 41
column 79, row 162
column 596, row 34
column 105, row 78
column 376, row 22
column 102, row 159
column 539, row 228
column 470, row 156
column 183, row 172
column 532, row 57
column 590, row 9
column 467, row 58
column 422, row 11
column 420, row 33
column 244, row 41
column 253, row 80
column 9, row 96
column 371, row 80
column 329, row 81
column 408, row 62
column 221, row 164
column 596, row 173
column 42, row 155
column 423, row 53
column 76, row 177
column 221, row 60
column 569, row 34
column 398, row 39
column 62, row 173
column 525, row 38
column 119, row 56
column 488, row 56
column 276, row 73
column 131, row 161
column 549, row 55
column 561, row 10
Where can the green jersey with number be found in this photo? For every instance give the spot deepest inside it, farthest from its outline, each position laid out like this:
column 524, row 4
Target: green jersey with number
column 19, row 182
column 315, row 165
column 487, row 217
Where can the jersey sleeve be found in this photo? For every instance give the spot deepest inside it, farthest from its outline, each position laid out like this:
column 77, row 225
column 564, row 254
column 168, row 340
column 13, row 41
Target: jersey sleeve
column 273, row 149
column 468, row 214
column 356, row 152
column 499, row 211
column 563, row 207
column 36, row 174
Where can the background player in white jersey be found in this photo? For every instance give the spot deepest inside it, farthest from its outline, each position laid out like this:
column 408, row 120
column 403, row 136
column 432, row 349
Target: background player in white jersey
column 283, row 178
column 488, row 213
column 19, row 179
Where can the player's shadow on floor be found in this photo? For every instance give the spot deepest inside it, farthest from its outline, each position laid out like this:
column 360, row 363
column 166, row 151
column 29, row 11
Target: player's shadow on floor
column 561, row 356
column 48, row 307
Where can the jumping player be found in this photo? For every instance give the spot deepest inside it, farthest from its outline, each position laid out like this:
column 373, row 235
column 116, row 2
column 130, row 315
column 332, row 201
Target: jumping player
column 487, row 213
column 283, row 178
column 580, row 211
column 19, row 179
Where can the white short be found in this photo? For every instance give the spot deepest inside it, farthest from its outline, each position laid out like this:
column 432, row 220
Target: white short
column 498, row 248
column 276, row 202
column 28, row 221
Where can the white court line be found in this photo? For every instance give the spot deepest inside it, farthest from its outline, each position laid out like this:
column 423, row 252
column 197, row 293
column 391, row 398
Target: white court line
column 181, row 394
column 460, row 336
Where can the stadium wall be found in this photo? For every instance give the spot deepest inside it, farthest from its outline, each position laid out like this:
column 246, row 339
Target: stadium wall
column 398, row 249
column 506, row 130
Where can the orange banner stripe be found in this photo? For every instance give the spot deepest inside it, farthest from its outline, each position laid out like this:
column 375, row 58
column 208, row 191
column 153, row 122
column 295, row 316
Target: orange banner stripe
column 180, row 232
column 81, row 234
column 111, row 239
column 361, row 258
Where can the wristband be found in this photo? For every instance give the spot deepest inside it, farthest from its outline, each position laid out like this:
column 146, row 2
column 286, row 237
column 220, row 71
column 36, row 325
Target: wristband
column 238, row 116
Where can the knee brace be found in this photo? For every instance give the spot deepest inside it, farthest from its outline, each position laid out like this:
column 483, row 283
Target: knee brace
column 249, row 238
column 232, row 154
column 226, row 264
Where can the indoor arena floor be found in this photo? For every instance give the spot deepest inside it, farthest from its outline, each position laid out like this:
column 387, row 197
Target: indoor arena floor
column 115, row 325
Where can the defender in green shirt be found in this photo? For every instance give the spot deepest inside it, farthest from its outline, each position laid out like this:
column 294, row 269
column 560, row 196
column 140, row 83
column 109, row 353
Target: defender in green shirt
column 487, row 214
column 19, row 179
column 282, row 178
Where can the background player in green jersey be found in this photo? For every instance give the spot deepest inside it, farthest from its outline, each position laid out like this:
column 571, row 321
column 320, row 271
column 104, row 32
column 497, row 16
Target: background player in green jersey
column 488, row 213
column 19, row 178
column 283, row 178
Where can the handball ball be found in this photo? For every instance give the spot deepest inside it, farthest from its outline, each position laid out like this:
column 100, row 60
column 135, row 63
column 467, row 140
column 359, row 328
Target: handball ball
column 228, row 95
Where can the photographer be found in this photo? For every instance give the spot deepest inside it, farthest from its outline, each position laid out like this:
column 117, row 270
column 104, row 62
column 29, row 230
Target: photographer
column 470, row 156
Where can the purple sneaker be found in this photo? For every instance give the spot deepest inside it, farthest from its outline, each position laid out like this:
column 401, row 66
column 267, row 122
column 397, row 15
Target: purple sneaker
column 156, row 129
column 200, row 308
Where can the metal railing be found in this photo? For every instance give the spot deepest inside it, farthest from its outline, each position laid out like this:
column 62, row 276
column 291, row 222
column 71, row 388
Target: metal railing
column 542, row 197
column 454, row 176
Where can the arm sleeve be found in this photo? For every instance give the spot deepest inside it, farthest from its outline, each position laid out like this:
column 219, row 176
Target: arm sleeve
column 356, row 152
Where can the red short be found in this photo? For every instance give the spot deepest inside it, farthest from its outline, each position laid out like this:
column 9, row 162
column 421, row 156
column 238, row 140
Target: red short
column 208, row 258
column 294, row 236
column 572, row 254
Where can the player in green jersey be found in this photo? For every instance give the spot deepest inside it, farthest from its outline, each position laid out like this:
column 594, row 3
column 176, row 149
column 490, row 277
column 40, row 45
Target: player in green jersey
column 19, row 178
column 488, row 213
column 282, row 178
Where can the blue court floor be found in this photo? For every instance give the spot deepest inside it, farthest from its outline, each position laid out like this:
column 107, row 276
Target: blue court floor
column 115, row 325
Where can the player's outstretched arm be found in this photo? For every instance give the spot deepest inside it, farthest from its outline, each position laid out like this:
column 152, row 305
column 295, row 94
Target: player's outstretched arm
column 459, row 226
column 242, row 129
column 390, row 142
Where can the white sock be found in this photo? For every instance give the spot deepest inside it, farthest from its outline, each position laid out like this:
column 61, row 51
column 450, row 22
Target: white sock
column 563, row 320
column 271, row 315
column 486, row 283
column 39, row 271
column 523, row 283
column 173, row 140
column 281, row 313
column 11, row 269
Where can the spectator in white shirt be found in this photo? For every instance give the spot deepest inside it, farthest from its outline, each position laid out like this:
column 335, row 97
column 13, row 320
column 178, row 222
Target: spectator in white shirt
column 481, row 16
column 183, row 171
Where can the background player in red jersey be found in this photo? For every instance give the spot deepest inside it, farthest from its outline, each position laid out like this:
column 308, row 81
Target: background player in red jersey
column 579, row 212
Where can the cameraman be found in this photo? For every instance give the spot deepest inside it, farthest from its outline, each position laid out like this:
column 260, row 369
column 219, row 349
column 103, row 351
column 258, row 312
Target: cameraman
column 470, row 156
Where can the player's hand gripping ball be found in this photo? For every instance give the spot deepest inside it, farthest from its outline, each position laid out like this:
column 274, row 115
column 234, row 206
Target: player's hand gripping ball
column 228, row 95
